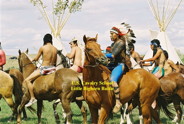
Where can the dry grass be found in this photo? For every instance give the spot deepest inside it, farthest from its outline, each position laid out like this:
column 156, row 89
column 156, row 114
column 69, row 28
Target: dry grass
column 13, row 63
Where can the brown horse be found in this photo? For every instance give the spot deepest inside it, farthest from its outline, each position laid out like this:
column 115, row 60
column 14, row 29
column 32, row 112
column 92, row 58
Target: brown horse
column 97, row 92
column 142, row 88
column 172, row 90
column 49, row 87
column 10, row 85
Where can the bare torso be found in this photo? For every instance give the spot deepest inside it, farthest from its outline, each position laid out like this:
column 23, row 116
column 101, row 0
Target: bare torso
column 76, row 55
column 77, row 60
column 49, row 55
column 160, row 60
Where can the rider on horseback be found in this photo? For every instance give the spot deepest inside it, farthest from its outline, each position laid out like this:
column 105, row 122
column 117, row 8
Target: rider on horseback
column 49, row 56
column 118, row 49
column 76, row 55
column 158, row 58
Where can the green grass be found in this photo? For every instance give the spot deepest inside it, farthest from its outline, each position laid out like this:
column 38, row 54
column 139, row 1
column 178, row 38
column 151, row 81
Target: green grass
column 48, row 117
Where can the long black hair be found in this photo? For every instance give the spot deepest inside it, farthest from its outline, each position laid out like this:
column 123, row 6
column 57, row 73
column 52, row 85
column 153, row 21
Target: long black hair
column 47, row 39
column 156, row 44
column 166, row 54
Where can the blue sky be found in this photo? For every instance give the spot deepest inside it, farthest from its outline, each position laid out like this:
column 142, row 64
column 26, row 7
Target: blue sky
column 22, row 26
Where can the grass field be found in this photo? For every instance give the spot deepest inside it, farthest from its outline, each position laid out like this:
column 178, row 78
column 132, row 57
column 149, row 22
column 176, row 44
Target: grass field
column 47, row 114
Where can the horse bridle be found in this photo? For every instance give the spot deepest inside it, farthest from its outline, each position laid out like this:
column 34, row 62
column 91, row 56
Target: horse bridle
column 87, row 56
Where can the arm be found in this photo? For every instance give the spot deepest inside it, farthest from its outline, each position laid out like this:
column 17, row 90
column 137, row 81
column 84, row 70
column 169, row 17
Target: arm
column 118, row 48
column 154, row 57
column 174, row 66
column 39, row 54
column 71, row 54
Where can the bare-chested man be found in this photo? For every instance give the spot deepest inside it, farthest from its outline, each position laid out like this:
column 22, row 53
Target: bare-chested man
column 169, row 65
column 76, row 55
column 49, row 56
column 158, row 58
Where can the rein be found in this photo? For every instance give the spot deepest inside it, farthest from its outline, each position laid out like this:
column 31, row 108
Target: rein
column 27, row 64
column 90, row 65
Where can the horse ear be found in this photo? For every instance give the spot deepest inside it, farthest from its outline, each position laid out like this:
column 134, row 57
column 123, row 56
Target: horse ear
column 19, row 52
column 85, row 39
column 27, row 50
column 96, row 37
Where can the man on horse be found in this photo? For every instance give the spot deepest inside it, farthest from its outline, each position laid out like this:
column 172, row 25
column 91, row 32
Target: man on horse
column 2, row 58
column 76, row 55
column 49, row 56
column 158, row 58
column 118, row 49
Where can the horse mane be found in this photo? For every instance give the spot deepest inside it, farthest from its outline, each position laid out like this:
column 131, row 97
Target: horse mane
column 91, row 39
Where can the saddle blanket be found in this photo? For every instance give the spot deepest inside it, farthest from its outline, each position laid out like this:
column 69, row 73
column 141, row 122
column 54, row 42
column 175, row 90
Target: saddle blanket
column 45, row 70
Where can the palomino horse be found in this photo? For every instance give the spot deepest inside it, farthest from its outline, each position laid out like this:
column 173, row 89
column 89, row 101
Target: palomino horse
column 49, row 87
column 142, row 87
column 172, row 90
column 97, row 90
column 10, row 85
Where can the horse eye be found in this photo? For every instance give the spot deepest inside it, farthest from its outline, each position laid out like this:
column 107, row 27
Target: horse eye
column 88, row 49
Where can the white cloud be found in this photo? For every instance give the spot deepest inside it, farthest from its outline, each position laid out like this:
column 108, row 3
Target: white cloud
column 23, row 26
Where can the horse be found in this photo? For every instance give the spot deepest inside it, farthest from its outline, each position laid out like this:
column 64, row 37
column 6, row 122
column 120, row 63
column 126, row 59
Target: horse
column 97, row 90
column 172, row 91
column 63, row 63
column 142, row 88
column 10, row 85
column 49, row 87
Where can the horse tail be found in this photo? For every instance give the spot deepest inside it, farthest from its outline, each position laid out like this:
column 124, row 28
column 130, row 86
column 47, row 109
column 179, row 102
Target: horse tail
column 18, row 93
column 164, row 105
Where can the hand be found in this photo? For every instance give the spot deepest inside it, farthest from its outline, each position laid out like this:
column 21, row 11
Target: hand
column 141, row 62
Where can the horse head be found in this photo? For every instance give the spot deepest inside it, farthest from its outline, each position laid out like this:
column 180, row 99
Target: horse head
column 25, row 62
column 62, row 59
column 93, row 51
column 181, row 67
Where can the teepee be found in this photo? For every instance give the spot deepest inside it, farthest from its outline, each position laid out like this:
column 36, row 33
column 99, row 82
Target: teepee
column 164, row 11
column 56, row 13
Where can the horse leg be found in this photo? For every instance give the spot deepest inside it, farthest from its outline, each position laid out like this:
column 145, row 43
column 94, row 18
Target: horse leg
column 55, row 112
column 83, row 111
column 155, row 115
column 146, row 113
column 178, row 109
column 67, row 108
column 9, row 101
column 24, row 114
column 104, row 112
column 125, row 114
column 21, row 107
column 94, row 114
column 39, row 110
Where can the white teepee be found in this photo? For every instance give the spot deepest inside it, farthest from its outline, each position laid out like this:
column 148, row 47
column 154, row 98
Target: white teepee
column 56, row 13
column 164, row 11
